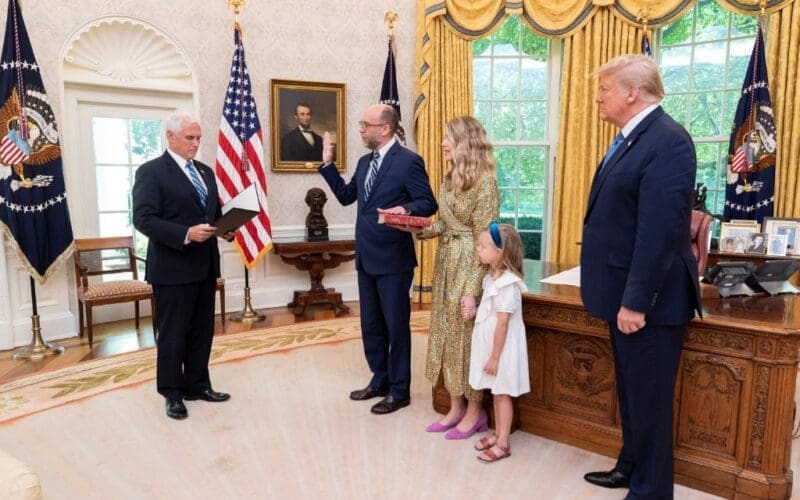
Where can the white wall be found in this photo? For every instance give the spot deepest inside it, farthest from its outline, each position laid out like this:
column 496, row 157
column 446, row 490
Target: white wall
column 342, row 41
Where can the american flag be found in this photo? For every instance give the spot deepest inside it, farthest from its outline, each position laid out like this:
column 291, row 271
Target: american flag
column 742, row 160
column 240, row 156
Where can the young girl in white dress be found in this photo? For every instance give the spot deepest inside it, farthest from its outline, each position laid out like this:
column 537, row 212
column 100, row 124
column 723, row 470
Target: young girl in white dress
column 499, row 356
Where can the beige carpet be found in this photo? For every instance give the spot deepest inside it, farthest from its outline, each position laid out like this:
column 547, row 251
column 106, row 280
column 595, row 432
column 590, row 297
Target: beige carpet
column 99, row 431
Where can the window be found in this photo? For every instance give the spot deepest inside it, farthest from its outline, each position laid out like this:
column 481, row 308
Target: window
column 512, row 72
column 703, row 59
column 120, row 146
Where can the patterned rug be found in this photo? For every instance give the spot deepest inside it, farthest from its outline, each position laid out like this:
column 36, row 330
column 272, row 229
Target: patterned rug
column 47, row 390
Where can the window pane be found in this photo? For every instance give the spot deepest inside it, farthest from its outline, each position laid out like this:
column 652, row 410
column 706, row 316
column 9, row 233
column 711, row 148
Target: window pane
column 530, row 221
column 481, row 78
column 530, row 203
column 115, row 224
column 113, row 187
column 744, row 26
column 712, row 21
column 508, row 203
column 731, row 102
column 533, row 117
column 504, row 122
column 506, row 166
column 532, row 167
column 534, row 46
column 534, row 79
column 707, row 156
column 506, row 40
column 675, row 68
column 481, row 112
column 709, row 66
column 110, row 140
column 738, row 60
column 146, row 141
column 678, row 108
column 481, row 47
column 532, row 243
column 505, row 83
column 680, row 32
column 706, row 115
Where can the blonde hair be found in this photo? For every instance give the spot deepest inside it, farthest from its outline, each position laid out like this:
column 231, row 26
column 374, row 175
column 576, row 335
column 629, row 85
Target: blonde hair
column 512, row 252
column 635, row 70
column 472, row 153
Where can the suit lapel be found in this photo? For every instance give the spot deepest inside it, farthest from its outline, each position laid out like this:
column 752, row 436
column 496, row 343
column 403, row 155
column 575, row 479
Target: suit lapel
column 602, row 172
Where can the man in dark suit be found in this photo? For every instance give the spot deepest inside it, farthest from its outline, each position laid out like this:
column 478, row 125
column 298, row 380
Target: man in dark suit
column 637, row 267
column 389, row 179
column 174, row 203
column 301, row 143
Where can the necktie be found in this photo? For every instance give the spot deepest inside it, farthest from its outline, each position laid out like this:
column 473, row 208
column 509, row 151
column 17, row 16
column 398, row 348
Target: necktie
column 198, row 184
column 611, row 150
column 371, row 174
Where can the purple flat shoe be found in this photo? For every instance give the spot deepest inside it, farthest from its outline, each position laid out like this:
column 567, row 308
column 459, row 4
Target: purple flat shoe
column 480, row 426
column 438, row 427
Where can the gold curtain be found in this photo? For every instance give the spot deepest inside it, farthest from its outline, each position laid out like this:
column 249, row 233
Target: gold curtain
column 583, row 138
column 783, row 59
column 447, row 74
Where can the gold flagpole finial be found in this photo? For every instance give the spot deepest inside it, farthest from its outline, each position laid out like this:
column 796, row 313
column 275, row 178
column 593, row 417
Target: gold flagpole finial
column 390, row 19
column 236, row 6
column 762, row 4
column 644, row 16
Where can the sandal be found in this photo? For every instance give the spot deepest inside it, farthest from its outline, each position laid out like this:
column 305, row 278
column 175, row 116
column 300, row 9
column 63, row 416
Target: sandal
column 489, row 456
column 485, row 443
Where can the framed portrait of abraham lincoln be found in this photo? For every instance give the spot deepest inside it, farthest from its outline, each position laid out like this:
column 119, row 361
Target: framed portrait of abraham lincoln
column 301, row 113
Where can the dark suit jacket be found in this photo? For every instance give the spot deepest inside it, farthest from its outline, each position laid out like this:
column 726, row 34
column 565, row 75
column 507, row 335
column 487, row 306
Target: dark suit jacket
column 636, row 248
column 401, row 180
column 295, row 147
column 165, row 205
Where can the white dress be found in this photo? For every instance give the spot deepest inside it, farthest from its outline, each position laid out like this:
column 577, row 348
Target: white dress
column 501, row 295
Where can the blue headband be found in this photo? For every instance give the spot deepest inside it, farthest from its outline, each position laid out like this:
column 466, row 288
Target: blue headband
column 494, row 232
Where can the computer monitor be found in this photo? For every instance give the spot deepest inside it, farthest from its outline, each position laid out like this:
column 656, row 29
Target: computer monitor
column 730, row 278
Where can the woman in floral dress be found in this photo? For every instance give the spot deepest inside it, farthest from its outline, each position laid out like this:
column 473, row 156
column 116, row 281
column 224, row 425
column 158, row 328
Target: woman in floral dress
column 468, row 202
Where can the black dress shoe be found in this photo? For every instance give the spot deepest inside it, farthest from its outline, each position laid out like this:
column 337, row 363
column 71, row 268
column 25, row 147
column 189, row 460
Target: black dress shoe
column 368, row 393
column 389, row 404
column 176, row 409
column 610, row 479
column 209, row 395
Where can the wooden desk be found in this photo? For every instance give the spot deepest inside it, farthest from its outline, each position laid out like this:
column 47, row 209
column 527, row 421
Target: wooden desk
column 315, row 257
column 734, row 396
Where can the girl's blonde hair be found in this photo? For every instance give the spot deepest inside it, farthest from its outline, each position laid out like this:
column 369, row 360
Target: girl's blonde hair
column 511, row 252
column 472, row 153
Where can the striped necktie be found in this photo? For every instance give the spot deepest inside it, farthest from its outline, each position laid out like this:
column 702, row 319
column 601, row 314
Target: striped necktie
column 198, row 184
column 371, row 174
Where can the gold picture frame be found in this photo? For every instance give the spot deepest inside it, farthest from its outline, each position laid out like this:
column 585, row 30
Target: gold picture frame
column 296, row 148
column 734, row 238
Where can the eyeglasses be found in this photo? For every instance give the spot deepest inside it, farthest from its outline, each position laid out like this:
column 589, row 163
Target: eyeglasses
column 362, row 126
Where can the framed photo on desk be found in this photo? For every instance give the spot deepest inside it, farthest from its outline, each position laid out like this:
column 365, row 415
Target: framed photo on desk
column 788, row 227
column 735, row 237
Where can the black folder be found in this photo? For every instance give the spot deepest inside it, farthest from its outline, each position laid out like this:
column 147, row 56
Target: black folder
column 233, row 220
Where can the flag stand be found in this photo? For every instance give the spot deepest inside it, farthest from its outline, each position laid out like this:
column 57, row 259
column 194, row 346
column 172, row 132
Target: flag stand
column 248, row 313
column 38, row 348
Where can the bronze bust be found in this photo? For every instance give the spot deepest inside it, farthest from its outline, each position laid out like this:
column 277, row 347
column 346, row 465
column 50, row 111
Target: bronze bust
column 316, row 225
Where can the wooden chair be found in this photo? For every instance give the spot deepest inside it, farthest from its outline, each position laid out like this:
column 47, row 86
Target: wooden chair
column 103, row 256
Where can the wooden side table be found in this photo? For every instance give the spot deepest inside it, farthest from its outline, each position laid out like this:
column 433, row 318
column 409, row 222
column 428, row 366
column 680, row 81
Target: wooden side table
column 315, row 257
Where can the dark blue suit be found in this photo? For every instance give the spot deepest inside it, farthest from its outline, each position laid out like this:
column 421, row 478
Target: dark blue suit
column 385, row 259
column 636, row 252
column 165, row 205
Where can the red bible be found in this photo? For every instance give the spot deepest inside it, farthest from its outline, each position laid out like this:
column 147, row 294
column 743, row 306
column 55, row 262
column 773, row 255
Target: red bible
column 404, row 220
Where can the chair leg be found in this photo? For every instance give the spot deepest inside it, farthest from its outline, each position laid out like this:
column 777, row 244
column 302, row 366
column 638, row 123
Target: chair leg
column 222, row 303
column 89, row 324
column 80, row 319
column 136, row 310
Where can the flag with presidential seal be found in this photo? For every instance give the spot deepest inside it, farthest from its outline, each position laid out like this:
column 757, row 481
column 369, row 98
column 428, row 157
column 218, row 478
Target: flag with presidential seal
column 750, row 192
column 33, row 202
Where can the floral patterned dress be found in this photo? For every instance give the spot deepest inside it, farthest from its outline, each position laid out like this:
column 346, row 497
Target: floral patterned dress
column 458, row 272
